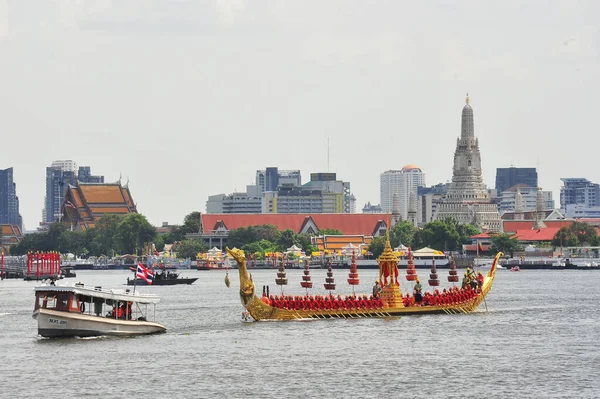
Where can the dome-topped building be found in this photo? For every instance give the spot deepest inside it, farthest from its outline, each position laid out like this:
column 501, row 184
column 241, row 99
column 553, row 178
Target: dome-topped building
column 411, row 167
column 400, row 183
column 467, row 199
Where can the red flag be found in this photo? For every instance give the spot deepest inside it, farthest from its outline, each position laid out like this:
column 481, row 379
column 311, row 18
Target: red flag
column 144, row 273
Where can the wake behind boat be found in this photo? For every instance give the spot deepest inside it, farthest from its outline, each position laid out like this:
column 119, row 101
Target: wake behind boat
column 78, row 311
column 386, row 301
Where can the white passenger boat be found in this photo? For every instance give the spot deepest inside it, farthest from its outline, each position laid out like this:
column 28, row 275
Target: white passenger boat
column 79, row 311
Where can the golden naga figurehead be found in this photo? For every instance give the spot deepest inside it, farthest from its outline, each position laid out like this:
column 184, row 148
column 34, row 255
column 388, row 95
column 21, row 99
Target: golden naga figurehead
column 246, row 283
column 237, row 254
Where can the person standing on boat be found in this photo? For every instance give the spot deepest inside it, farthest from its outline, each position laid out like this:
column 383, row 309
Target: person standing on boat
column 417, row 291
column 479, row 280
column 376, row 289
column 465, row 281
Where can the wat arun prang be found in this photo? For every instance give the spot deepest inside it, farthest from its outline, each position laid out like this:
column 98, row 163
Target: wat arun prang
column 467, row 199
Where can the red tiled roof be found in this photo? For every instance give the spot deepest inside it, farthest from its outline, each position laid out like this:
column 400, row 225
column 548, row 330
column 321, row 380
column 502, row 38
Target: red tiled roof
column 347, row 223
column 545, row 234
column 511, row 226
column 480, row 235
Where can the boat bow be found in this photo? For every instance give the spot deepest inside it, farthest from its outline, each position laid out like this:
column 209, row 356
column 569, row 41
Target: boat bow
column 247, row 291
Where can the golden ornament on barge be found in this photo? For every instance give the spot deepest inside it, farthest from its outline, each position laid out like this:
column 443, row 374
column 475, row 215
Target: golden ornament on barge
column 387, row 302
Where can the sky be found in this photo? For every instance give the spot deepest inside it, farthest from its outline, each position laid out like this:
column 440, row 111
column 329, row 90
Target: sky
column 187, row 98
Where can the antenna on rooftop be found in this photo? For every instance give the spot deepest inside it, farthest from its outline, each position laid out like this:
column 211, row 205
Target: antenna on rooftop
column 327, row 154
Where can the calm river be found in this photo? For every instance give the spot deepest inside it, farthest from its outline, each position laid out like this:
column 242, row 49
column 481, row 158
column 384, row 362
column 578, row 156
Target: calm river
column 540, row 338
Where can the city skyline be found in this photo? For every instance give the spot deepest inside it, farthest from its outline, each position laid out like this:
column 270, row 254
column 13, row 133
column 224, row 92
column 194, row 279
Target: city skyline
column 200, row 96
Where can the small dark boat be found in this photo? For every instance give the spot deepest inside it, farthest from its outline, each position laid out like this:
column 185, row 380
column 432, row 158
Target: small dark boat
column 163, row 278
column 67, row 272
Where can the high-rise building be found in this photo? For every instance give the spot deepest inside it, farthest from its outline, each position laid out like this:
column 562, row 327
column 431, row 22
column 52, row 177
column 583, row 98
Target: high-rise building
column 579, row 191
column 84, row 175
column 428, row 199
column 467, row 199
column 59, row 176
column 323, row 194
column 271, row 178
column 401, row 182
column 509, row 177
column 580, row 198
column 9, row 202
column 527, row 196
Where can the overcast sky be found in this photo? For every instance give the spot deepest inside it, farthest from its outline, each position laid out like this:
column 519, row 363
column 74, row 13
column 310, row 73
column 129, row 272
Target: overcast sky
column 189, row 98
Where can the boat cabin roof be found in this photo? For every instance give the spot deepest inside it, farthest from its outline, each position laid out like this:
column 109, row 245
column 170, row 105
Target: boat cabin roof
column 97, row 292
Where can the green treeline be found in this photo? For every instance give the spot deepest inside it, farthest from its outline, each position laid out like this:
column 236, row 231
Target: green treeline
column 121, row 234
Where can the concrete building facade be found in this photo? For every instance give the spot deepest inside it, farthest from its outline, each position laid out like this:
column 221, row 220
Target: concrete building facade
column 510, row 177
column 401, row 182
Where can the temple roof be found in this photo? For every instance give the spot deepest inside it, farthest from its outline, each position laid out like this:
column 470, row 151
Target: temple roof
column 11, row 234
column 467, row 129
column 85, row 203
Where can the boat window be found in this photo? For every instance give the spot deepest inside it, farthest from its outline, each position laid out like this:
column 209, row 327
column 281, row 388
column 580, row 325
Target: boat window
column 46, row 301
column 75, row 303
column 62, row 301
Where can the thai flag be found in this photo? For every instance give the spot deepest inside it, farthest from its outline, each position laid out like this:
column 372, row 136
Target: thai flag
column 70, row 204
column 144, row 273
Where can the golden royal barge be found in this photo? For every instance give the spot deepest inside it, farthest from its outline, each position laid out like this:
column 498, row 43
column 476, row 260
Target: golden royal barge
column 389, row 300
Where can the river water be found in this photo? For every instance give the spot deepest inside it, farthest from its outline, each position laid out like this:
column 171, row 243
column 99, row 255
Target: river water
column 540, row 338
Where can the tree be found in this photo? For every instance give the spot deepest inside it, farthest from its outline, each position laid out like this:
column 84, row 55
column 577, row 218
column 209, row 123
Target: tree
column 159, row 243
column 259, row 248
column 439, row 235
column 190, row 248
column 330, row 232
column 168, row 237
column 53, row 236
column 246, row 235
column 304, row 241
column 577, row 234
column 565, row 238
column 402, row 233
column 377, row 245
column 72, row 241
column 586, row 234
column 133, row 232
column 104, row 234
column 30, row 242
column 505, row 243
column 191, row 224
column 466, row 231
column 286, row 239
